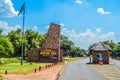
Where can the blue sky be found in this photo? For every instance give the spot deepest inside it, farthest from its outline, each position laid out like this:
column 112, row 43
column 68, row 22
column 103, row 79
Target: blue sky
column 83, row 21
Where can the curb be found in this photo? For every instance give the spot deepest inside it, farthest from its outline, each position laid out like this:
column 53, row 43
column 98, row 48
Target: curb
column 60, row 72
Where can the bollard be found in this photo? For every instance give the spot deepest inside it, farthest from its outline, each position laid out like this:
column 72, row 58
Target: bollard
column 6, row 72
column 39, row 68
column 46, row 66
column 35, row 70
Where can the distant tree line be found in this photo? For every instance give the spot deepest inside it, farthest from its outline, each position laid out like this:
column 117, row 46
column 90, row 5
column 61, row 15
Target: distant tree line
column 11, row 43
column 69, row 48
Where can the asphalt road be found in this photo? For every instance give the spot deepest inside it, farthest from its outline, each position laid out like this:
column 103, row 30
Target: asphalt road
column 80, row 71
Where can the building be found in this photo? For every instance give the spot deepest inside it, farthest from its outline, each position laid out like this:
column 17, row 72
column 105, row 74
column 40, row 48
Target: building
column 50, row 50
column 100, row 52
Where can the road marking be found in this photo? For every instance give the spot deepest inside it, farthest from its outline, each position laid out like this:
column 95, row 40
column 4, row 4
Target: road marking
column 109, row 71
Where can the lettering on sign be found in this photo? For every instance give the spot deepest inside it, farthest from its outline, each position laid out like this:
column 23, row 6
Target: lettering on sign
column 48, row 52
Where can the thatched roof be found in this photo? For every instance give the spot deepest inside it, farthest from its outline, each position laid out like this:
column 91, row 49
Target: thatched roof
column 100, row 47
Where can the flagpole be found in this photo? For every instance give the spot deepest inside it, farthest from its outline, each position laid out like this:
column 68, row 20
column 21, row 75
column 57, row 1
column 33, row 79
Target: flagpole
column 22, row 10
column 23, row 35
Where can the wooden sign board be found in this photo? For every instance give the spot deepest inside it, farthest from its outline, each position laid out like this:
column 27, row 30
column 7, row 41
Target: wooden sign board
column 48, row 52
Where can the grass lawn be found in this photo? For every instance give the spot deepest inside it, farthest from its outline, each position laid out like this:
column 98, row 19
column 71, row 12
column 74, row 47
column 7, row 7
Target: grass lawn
column 69, row 59
column 12, row 65
column 16, row 68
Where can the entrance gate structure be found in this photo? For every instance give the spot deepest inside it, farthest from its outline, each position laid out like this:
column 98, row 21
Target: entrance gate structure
column 50, row 50
column 100, row 52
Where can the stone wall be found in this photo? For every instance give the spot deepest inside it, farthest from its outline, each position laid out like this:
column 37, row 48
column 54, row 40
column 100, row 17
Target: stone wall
column 33, row 55
column 52, row 39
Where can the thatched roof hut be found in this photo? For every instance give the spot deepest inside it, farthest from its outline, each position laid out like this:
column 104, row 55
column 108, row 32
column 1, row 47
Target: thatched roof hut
column 100, row 51
column 101, row 47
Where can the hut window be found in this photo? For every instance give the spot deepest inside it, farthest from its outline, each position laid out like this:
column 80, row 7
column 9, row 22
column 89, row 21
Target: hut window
column 100, row 56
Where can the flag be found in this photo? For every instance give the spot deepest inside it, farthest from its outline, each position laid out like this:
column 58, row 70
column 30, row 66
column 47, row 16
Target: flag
column 22, row 9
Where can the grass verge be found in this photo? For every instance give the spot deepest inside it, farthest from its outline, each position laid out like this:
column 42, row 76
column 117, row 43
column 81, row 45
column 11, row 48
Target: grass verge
column 70, row 59
column 16, row 68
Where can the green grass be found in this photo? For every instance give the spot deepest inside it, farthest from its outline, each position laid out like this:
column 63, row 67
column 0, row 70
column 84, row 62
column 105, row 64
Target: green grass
column 69, row 59
column 16, row 68
column 9, row 60
column 12, row 65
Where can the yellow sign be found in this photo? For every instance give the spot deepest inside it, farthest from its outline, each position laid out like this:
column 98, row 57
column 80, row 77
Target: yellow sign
column 48, row 52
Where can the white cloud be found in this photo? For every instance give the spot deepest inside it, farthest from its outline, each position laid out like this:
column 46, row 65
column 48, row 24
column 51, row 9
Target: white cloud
column 85, row 39
column 47, row 27
column 98, row 30
column 78, row 1
column 101, row 11
column 7, row 9
column 35, row 28
column 62, row 24
column 6, row 28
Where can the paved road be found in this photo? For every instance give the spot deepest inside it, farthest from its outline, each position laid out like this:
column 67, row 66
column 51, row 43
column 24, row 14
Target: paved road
column 80, row 71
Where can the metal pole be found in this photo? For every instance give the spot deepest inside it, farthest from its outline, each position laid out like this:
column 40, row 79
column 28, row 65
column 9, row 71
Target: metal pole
column 23, row 36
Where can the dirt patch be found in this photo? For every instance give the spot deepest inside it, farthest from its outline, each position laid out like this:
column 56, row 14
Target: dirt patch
column 45, row 74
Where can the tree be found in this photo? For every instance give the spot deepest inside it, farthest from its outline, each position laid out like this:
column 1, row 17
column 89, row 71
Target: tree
column 113, row 46
column 65, row 44
column 118, row 49
column 16, row 39
column 69, row 48
column 34, row 39
column 6, row 47
column 1, row 31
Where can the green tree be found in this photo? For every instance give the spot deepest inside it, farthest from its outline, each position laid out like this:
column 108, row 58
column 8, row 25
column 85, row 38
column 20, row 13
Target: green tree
column 16, row 39
column 113, row 46
column 1, row 30
column 69, row 48
column 6, row 47
column 118, row 50
column 65, row 44
column 34, row 39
